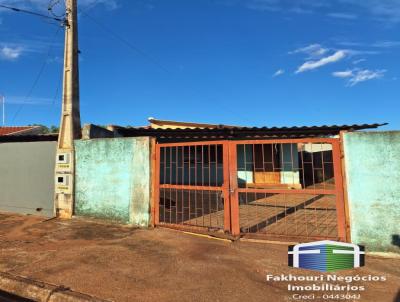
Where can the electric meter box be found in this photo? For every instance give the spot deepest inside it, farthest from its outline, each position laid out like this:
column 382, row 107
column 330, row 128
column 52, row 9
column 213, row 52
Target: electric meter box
column 63, row 183
column 64, row 162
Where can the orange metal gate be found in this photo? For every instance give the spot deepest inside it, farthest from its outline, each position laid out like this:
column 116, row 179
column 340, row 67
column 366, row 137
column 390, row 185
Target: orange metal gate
column 193, row 183
column 278, row 188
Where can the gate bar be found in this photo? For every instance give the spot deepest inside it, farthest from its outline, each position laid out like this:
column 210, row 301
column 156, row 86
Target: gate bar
column 156, row 187
column 340, row 210
column 285, row 140
column 189, row 187
column 225, row 188
column 287, row 191
column 234, row 200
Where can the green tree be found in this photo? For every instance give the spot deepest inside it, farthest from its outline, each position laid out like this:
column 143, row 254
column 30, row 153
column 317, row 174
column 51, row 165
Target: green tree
column 47, row 130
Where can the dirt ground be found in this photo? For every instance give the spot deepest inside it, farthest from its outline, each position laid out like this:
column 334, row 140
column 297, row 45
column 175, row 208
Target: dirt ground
column 120, row 263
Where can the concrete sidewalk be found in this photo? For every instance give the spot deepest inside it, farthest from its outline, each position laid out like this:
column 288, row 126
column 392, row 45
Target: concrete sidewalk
column 119, row 263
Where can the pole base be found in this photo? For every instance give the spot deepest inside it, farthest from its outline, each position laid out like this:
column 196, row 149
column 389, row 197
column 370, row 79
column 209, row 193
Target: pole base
column 64, row 208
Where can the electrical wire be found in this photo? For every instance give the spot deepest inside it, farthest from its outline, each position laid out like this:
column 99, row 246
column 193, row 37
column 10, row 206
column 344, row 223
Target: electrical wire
column 127, row 43
column 38, row 76
column 51, row 6
column 143, row 54
column 52, row 3
column 20, row 10
column 90, row 6
column 58, row 87
column 57, row 93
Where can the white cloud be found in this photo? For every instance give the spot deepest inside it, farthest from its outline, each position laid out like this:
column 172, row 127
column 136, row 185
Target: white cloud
column 318, row 55
column 355, row 62
column 298, row 7
column 310, row 65
column 343, row 74
column 366, row 75
column 16, row 47
column 299, row 10
column 377, row 44
column 313, row 50
column 346, row 16
column 9, row 53
column 386, row 44
column 382, row 10
column 56, row 59
column 386, row 11
column 349, row 43
column 264, row 5
column 356, row 76
column 278, row 73
column 109, row 4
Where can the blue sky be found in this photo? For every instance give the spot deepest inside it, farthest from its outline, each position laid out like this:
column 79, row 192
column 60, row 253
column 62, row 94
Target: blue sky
column 245, row 62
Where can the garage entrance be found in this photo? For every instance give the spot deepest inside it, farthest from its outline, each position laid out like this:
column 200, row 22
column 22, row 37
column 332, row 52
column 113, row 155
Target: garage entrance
column 272, row 188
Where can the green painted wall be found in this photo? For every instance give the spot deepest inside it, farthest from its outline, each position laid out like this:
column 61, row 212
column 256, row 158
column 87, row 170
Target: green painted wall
column 113, row 179
column 373, row 183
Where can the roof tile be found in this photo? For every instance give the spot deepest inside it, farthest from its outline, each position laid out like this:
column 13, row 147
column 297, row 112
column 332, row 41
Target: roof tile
column 12, row 130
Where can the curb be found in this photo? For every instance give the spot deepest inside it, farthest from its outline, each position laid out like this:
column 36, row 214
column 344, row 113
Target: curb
column 41, row 291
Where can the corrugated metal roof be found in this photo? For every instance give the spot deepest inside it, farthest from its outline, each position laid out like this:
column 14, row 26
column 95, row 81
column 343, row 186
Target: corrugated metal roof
column 222, row 131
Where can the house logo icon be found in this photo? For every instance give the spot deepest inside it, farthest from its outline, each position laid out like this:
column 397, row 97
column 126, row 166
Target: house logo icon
column 326, row 255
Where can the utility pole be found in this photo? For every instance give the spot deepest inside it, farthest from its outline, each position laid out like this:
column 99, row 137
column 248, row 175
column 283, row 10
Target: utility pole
column 70, row 126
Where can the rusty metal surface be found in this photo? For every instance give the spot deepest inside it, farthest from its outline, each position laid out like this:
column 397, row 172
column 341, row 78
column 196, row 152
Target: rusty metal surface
column 290, row 188
column 282, row 187
column 233, row 194
column 340, row 202
column 191, row 188
column 229, row 132
column 215, row 133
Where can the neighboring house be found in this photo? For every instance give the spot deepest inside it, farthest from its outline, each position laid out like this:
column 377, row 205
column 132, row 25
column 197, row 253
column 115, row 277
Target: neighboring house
column 21, row 130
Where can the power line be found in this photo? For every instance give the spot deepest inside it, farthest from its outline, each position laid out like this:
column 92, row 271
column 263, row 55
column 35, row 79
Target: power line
column 20, row 10
column 58, row 87
column 38, row 76
column 127, row 43
column 143, row 54
column 51, row 6
column 198, row 93
column 90, row 6
column 57, row 91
